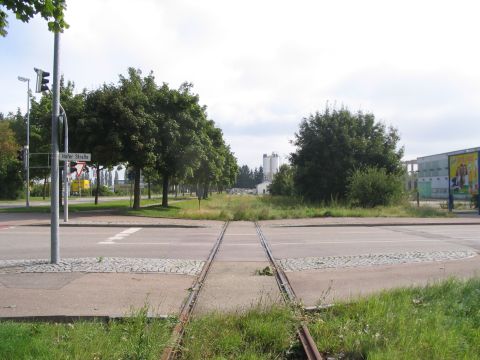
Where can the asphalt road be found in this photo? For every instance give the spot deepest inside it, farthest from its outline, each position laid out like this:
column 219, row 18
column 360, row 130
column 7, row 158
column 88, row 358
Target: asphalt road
column 232, row 282
column 33, row 242
column 291, row 242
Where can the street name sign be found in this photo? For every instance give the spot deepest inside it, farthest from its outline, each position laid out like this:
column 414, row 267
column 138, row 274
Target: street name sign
column 75, row 156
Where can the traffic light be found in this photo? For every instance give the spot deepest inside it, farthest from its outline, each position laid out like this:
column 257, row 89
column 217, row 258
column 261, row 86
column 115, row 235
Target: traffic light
column 20, row 155
column 73, row 167
column 42, row 80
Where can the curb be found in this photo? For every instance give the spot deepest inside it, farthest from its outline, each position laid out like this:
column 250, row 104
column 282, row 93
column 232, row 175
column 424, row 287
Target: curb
column 115, row 225
column 64, row 319
column 372, row 224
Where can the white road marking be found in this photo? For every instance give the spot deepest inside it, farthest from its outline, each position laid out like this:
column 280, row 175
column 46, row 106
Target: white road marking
column 121, row 235
column 241, row 234
column 162, row 243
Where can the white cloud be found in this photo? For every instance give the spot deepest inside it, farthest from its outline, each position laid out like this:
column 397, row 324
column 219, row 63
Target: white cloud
column 260, row 66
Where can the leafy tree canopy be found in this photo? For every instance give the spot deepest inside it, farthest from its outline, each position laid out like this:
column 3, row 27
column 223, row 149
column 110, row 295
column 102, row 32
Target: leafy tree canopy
column 332, row 144
column 282, row 183
column 24, row 10
column 11, row 181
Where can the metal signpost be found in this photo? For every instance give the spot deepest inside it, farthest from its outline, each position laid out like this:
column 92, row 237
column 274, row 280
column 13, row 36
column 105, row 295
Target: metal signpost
column 54, row 233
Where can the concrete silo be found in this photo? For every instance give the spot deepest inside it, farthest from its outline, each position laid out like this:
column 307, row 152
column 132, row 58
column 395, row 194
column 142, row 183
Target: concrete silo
column 271, row 165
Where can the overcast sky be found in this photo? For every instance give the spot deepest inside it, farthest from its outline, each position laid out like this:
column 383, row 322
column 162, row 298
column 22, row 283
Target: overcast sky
column 261, row 66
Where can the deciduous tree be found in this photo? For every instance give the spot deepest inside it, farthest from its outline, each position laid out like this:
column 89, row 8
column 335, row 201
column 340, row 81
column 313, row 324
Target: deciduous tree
column 24, row 10
column 332, row 144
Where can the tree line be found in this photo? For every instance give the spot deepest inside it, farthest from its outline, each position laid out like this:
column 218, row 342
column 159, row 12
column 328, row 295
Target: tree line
column 249, row 178
column 160, row 132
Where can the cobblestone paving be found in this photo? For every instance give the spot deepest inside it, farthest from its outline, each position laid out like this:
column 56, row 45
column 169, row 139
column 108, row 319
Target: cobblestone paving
column 315, row 263
column 104, row 265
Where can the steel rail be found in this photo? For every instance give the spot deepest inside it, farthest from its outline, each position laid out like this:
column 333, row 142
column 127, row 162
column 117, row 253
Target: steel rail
column 171, row 351
column 309, row 346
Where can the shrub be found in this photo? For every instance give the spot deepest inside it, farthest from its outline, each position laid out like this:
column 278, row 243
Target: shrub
column 371, row 187
column 103, row 191
column 37, row 190
column 474, row 201
column 282, row 183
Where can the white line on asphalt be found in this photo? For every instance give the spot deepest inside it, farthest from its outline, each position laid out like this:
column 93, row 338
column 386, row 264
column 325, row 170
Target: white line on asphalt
column 161, row 243
column 229, row 234
column 121, row 235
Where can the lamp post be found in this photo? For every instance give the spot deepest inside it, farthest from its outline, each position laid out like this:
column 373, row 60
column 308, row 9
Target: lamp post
column 27, row 148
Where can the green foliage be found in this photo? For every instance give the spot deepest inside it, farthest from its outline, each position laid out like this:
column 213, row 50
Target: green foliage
column 11, row 180
column 25, row 10
column 474, row 201
column 372, row 187
column 137, row 337
column 440, row 321
column 37, row 190
column 332, row 144
column 252, row 208
column 260, row 333
column 102, row 191
column 282, row 183
column 248, row 178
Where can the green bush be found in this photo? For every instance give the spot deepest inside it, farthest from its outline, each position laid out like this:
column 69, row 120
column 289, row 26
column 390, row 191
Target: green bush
column 474, row 201
column 282, row 183
column 37, row 190
column 103, row 191
column 11, row 181
column 372, row 187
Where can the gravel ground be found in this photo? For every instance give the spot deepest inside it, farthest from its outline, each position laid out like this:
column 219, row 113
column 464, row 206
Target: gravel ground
column 104, row 265
column 316, row 263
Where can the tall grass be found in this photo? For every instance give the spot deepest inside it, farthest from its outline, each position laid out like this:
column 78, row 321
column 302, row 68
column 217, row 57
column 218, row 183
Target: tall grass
column 247, row 207
column 440, row 321
column 252, row 208
column 136, row 337
column 260, row 333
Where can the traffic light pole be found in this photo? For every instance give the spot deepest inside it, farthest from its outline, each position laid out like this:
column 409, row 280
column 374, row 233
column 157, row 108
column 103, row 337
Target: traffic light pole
column 27, row 153
column 66, row 166
column 54, row 233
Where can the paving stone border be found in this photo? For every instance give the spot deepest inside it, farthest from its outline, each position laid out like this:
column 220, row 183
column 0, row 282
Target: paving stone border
column 104, row 265
column 333, row 262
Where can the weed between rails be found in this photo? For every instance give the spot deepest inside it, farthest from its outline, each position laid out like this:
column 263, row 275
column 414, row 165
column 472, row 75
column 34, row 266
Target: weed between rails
column 259, row 333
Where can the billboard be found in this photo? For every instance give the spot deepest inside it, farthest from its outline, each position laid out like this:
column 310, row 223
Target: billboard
column 463, row 174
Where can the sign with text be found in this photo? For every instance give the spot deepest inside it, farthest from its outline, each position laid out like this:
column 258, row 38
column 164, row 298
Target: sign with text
column 75, row 156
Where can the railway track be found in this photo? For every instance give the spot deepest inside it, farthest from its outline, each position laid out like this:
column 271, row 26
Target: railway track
column 171, row 351
column 290, row 297
column 308, row 344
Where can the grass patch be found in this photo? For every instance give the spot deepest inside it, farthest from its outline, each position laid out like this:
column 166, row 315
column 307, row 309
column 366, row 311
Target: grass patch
column 440, row 321
column 260, row 333
column 115, row 205
column 252, row 208
column 132, row 338
column 243, row 207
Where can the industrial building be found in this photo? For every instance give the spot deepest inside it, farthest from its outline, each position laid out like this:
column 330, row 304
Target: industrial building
column 271, row 165
column 432, row 174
